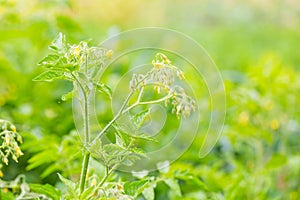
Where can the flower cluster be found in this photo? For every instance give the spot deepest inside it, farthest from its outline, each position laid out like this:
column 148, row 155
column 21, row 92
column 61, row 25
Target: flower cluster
column 181, row 102
column 67, row 58
column 162, row 76
column 9, row 140
column 137, row 82
column 76, row 53
column 164, row 73
column 87, row 58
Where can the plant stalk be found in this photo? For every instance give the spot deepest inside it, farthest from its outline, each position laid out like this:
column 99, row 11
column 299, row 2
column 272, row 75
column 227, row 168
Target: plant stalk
column 84, row 170
column 86, row 158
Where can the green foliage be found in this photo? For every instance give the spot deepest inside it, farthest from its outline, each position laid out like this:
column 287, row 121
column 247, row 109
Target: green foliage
column 253, row 45
column 49, row 76
column 134, row 188
column 52, row 156
column 173, row 184
column 80, row 64
column 140, row 118
column 72, row 188
column 101, row 87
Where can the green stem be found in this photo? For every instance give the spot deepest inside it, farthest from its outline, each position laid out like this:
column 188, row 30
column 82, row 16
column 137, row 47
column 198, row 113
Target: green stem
column 156, row 101
column 115, row 118
column 84, row 170
column 148, row 102
column 107, row 174
column 86, row 158
column 121, row 111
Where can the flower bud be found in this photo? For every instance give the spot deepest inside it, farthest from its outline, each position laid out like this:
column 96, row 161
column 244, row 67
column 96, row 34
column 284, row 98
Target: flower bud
column 19, row 139
column 5, row 160
column 7, row 139
column 77, row 51
column 109, row 54
column 13, row 128
column 14, row 157
column 18, row 151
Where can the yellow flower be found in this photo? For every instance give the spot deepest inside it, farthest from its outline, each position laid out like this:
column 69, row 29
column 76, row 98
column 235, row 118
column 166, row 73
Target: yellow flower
column 109, row 54
column 77, row 51
column 5, row 160
column 19, row 139
column 243, row 118
column 1, row 174
column 180, row 74
column 13, row 128
column 7, row 139
column 120, row 187
column 274, row 124
column 15, row 158
column 157, row 65
column 165, row 59
column 18, row 151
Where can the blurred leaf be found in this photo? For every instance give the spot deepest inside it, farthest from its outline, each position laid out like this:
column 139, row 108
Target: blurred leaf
column 148, row 193
column 67, row 23
column 50, row 153
column 88, row 192
column 59, row 44
column 70, row 185
column 163, row 167
column 50, row 169
column 135, row 188
column 7, row 195
column 277, row 160
column 185, row 175
column 174, row 186
column 67, row 96
column 41, row 158
column 47, row 189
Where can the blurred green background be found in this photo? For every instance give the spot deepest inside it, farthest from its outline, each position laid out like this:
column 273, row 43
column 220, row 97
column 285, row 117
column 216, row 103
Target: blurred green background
column 254, row 44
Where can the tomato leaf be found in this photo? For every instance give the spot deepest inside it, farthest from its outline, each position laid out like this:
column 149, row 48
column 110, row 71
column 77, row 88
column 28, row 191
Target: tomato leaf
column 49, row 76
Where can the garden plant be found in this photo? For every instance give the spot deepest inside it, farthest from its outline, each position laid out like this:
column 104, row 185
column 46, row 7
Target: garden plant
column 82, row 65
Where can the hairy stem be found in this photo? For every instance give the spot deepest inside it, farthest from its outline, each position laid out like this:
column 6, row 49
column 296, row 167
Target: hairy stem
column 86, row 158
column 84, row 170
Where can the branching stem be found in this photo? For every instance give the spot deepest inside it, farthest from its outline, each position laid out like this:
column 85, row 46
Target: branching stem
column 115, row 118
